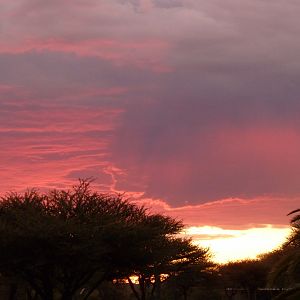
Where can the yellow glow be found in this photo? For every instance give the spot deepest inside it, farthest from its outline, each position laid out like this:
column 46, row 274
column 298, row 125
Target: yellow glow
column 230, row 245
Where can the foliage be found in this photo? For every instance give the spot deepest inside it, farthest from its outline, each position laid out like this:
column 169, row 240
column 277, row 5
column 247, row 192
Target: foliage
column 161, row 255
column 248, row 275
column 63, row 240
column 197, row 275
column 68, row 242
column 286, row 271
column 81, row 244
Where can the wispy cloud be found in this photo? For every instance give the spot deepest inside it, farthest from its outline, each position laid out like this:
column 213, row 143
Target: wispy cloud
column 192, row 102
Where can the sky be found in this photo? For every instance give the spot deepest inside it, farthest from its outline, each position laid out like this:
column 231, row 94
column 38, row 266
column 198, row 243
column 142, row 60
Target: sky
column 191, row 107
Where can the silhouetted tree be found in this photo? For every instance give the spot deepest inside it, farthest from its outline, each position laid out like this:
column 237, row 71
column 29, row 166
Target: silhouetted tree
column 161, row 254
column 247, row 275
column 62, row 241
column 286, row 271
column 200, row 274
column 67, row 242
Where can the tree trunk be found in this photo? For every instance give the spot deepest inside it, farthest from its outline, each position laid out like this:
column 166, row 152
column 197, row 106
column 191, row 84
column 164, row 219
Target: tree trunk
column 13, row 291
column 185, row 296
column 48, row 297
column 158, row 287
column 31, row 294
column 67, row 295
column 133, row 289
column 252, row 294
column 93, row 288
column 142, row 285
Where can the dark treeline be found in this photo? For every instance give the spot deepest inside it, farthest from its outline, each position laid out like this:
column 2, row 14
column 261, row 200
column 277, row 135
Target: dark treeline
column 79, row 244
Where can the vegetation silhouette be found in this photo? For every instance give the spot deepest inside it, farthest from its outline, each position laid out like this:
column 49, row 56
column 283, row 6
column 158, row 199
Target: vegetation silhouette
column 286, row 271
column 79, row 244
column 66, row 243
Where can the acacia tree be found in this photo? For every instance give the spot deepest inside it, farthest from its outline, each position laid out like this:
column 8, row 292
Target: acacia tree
column 159, row 252
column 67, row 242
column 199, row 274
column 247, row 275
column 61, row 241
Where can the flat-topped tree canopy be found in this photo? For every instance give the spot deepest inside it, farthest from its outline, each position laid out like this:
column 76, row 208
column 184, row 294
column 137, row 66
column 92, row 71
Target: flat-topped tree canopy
column 64, row 241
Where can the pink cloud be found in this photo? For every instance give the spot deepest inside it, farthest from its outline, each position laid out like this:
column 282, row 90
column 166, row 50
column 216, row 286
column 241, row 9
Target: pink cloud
column 229, row 213
column 59, row 119
column 215, row 162
column 51, row 146
column 6, row 88
column 145, row 54
column 220, row 122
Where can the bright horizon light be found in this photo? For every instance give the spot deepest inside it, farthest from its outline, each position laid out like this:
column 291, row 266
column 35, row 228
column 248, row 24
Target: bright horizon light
column 231, row 245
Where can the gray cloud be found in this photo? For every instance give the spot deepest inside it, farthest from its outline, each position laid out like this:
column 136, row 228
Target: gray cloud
column 238, row 70
column 217, row 117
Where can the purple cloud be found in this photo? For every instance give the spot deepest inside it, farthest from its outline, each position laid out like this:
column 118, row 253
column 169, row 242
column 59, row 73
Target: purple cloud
column 187, row 101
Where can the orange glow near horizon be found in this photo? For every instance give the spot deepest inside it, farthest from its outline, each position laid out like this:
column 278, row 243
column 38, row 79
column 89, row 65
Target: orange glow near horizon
column 231, row 245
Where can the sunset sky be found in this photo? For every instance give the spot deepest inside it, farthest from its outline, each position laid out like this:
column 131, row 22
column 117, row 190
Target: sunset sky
column 190, row 106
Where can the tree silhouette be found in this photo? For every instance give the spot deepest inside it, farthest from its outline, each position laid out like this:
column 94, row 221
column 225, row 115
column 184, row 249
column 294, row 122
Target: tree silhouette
column 199, row 274
column 67, row 242
column 61, row 241
column 160, row 253
column 286, row 271
column 247, row 275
